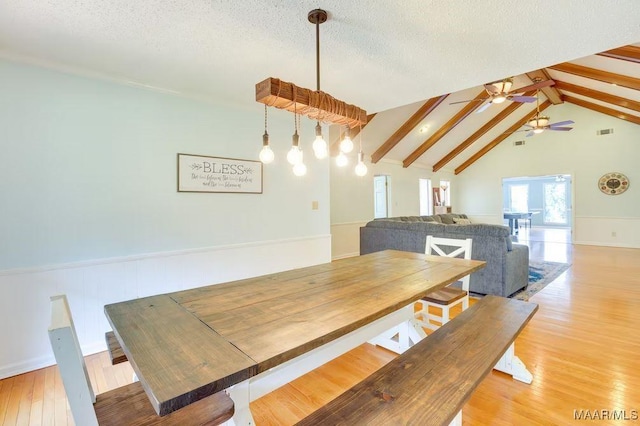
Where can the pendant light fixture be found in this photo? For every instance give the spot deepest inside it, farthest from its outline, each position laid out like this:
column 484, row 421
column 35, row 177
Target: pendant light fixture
column 316, row 105
column 266, row 154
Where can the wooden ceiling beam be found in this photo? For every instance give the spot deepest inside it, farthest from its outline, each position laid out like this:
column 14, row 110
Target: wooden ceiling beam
column 480, row 132
column 408, row 126
column 334, row 147
column 625, row 53
column 550, row 92
column 602, row 109
column 488, row 147
column 442, row 131
column 599, row 96
column 596, row 74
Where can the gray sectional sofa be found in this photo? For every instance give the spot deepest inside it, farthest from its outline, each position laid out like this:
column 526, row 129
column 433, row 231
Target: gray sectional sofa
column 507, row 269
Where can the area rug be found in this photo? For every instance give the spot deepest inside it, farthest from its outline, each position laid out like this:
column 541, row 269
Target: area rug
column 540, row 274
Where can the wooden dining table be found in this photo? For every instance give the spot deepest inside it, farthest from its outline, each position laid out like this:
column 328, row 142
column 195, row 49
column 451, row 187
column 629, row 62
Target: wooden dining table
column 187, row 345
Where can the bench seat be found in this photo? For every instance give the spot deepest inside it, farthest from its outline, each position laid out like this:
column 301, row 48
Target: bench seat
column 429, row 383
column 129, row 405
column 116, row 353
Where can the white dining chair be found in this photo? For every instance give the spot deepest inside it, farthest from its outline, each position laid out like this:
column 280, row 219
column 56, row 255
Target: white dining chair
column 447, row 297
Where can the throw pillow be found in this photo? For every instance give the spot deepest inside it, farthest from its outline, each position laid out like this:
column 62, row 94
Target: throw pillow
column 461, row 221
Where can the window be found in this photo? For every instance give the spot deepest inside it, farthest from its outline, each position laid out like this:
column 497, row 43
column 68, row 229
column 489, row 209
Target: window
column 555, row 203
column 426, row 201
column 519, row 195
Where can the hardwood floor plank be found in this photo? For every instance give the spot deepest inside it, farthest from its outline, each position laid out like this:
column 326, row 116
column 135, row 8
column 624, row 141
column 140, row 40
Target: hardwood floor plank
column 13, row 403
column 26, row 398
column 5, row 391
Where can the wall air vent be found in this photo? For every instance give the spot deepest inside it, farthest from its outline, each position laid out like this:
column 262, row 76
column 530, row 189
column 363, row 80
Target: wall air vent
column 604, row 132
column 518, row 143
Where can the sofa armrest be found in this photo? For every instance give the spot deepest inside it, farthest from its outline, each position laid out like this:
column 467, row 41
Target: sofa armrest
column 517, row 270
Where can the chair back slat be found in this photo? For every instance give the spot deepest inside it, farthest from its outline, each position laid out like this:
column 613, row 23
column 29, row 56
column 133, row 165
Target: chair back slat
column 434, row 245
column 73, row 370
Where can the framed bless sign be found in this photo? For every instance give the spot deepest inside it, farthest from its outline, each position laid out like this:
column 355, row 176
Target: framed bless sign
column 199, row 173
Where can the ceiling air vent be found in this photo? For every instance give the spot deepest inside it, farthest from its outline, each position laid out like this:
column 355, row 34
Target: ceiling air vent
column 604, row 132
column 518, row 143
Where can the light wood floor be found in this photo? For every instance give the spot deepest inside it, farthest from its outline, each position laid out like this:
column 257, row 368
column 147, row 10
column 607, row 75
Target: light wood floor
column 582, row 348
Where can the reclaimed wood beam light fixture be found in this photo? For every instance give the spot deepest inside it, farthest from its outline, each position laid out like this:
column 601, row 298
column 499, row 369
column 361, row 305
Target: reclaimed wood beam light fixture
column 315, row 104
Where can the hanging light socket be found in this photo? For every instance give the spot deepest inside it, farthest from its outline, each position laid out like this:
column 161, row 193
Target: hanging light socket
column 361, row 168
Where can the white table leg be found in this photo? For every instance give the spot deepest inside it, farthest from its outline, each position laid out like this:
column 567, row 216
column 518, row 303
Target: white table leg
column 401, row 337
column 511, row 364
column 241, row 398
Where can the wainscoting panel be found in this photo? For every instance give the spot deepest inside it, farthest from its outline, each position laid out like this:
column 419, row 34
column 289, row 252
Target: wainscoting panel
column 607, row 231
column 345, row 239
column 25, row 309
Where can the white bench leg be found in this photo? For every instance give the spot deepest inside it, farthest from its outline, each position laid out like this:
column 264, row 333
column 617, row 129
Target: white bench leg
column 512, row 365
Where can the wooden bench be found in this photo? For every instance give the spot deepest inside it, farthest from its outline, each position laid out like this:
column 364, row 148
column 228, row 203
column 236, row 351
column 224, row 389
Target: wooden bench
column 116, row 353
column 429, row 383
column 125, row 405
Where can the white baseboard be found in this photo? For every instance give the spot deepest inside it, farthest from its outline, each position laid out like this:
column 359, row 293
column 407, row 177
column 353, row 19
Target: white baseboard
column 346, row 255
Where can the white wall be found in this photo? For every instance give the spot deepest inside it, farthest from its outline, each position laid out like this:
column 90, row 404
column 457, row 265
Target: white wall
column 580, row 153
column 352, row 199
column 89, row 203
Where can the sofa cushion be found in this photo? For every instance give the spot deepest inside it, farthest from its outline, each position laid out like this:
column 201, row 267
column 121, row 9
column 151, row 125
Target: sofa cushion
column 461, row 221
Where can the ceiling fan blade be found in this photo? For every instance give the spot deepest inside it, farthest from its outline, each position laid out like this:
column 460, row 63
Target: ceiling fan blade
column 470, row 100
column 562, row 123
column 529, row 134
column 483, row 107
column 534, row 86
column 562, row 129
column 522, row 98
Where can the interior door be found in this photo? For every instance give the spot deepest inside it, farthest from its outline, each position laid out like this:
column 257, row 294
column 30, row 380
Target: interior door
column 380, row 197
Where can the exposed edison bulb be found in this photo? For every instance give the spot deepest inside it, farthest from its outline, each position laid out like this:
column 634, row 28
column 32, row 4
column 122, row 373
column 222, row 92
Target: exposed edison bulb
column 319, row 144
column 266, row 154
column 341, row 160
column 498, row 99
column 300, row 169
column 294, row 156
column 320, row 147
column 361, row 168
column 346, row 145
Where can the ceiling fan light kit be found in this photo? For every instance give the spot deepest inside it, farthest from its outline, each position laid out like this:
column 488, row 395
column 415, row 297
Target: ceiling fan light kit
column 316, row 105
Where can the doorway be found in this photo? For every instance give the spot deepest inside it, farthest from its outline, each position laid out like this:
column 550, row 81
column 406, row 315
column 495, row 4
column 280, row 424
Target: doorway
column 547, row 200
column 381, row 196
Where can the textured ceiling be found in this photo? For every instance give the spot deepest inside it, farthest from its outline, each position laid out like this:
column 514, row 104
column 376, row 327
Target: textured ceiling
column 376, row 54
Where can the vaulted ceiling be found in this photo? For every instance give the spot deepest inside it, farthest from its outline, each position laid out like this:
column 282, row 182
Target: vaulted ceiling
column 444, row 133
column 396, row 57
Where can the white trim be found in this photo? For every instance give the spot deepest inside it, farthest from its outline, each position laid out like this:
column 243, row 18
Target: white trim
column 361, row 223
column 609, row 217
column 33, row 364
column 171, row 253
column 604, row 244
column 346, row 255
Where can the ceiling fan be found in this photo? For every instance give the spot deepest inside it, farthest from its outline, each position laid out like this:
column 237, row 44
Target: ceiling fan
column 539, row 123
column 500, row 91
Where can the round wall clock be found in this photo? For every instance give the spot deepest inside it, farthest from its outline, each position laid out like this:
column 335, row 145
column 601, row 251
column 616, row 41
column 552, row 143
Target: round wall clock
column 613, row 183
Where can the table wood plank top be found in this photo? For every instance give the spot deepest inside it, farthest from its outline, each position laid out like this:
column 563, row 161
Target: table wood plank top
column 212, row 337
